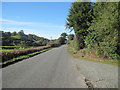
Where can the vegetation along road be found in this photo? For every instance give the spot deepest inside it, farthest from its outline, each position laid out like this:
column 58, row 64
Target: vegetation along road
column 57, row 69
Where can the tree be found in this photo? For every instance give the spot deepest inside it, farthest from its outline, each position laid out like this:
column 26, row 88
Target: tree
column 61, row 40
column 70, row 37
column 2, row 34
column 30, row 37
column 64, row 35
column 7, row 34
column 14, row 33
column 21, row 33
column 39, row 42
column 79, row 19
column 104, row 30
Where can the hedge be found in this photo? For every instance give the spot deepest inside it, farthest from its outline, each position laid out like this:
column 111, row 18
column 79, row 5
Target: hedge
column 7, row 55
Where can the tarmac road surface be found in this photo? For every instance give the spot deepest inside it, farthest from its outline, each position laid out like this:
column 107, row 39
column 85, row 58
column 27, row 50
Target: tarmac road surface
column 51, row 69
column 57, row 69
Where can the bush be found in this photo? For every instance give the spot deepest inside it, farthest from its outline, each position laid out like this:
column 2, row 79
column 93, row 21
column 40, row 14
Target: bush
column 97, row 53
column 104, row 44
column 73, row 44
column 53, row 44
column 70, row 37
column 10, row 47
column 91, row 40
column 7, row 55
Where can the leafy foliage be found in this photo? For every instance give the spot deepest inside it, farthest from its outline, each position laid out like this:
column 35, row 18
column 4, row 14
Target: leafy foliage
column 73, row 44
column 7, row 55
column 78, row 20
column 21, row 39
column 60, row 41
column 96, row 26
column 70, row 37
column 103, row 32
column 64, row 35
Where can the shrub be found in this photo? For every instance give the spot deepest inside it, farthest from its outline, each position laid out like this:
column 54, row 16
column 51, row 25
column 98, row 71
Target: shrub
column 97, row 53
column 73, row 44
column 70, row 37
column 7, row 55
column 53, row 44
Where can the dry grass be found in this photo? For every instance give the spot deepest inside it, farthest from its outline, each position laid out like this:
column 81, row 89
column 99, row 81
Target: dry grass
column 91, row 55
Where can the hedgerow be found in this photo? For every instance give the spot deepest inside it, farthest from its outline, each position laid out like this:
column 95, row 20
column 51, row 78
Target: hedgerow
column 96, row 26
column 7, row 55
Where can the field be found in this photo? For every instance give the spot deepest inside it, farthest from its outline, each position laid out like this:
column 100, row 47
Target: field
column 12, row 54
column 11, row 48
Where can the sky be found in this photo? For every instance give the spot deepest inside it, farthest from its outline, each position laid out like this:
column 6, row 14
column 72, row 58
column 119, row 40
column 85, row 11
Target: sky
column 45, row 19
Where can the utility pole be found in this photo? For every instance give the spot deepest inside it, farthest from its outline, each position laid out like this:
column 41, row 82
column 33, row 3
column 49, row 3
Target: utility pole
column 51, row 38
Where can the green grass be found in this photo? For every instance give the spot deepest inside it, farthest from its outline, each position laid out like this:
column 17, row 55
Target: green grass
column 112, row 62
column 9, row 46
column 3, row 50
column 14, row 59
column 17, row 37
column 25, row 56
column 17, row 48
column 72, row 52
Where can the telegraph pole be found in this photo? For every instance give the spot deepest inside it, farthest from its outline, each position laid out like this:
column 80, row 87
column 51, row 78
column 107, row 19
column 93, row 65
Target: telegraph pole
column 51, row 38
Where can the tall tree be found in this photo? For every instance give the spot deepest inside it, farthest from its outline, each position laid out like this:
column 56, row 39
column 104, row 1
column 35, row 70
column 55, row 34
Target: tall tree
column 61, row 40
column 79, row 20
column 14, row 33
column 64, row 35
column 21, row 32
column 7, row 34
column 70, row 37
column 104, row 30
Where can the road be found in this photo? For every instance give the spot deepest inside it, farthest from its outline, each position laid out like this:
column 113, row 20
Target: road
column 101, row 75
column 51, row 69
column 57, row 69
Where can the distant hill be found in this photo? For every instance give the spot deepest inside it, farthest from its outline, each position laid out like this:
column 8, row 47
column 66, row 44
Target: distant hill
column 21, row 39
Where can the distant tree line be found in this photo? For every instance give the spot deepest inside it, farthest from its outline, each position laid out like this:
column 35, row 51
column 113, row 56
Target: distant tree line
column 60, row 41
column 71, row 37
column 96, row 26
column 21, row 39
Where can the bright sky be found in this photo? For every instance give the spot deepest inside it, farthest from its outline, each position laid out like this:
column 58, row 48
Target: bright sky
column 44, row 19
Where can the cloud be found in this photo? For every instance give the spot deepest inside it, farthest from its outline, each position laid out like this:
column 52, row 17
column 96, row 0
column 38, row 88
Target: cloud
column 13, row 22
column 38, row 32
column 39, row 28
column 26, row 31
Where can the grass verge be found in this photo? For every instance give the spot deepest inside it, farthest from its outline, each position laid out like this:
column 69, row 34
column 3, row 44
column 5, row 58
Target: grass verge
column 16, row 48
column 14, row 60
column 76, row 54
